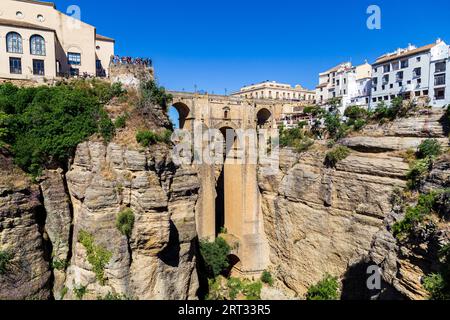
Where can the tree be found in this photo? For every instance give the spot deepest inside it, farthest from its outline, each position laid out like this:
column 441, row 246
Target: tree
column 215, row 254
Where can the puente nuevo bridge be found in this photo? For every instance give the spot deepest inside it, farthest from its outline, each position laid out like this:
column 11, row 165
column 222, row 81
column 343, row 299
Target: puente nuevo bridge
column 230, row 196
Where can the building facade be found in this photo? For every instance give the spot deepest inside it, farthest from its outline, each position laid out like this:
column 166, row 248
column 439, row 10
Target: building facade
column 413, row 73
column 271, row 90
column 350, row 84
column 37, row 41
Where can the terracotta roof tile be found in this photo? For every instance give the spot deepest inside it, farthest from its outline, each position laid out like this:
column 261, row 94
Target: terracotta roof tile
column 387, row 58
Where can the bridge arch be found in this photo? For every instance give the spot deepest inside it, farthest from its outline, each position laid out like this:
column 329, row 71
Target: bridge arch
column 183, row 113
column 263, row 117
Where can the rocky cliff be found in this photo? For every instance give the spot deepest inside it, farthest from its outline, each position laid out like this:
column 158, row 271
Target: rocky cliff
column 329, row 220
column 41, row 227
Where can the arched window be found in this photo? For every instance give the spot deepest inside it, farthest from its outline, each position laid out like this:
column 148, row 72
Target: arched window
column 37, row 45
column 14, row 43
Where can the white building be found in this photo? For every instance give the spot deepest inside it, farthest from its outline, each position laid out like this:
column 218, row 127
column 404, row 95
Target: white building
column 276, row 91
column 413, row 73
column 350, row 84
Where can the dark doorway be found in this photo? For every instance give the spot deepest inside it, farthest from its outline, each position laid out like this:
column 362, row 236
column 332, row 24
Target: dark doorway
column 220, row 203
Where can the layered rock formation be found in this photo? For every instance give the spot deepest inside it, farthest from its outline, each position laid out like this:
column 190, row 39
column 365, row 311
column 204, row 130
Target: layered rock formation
column 327, row 220
column 158, row 260
column 26, row 273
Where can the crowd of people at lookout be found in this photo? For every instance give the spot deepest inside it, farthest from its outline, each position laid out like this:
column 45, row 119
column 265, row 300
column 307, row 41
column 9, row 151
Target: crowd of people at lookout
column 117, row 60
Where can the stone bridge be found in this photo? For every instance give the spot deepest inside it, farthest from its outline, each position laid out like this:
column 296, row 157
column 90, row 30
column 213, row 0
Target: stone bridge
column 230, row 197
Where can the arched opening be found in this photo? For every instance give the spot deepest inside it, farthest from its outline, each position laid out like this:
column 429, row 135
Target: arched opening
column 178, row 113
column 233, row 263
column 263, row 117
column 229, row 140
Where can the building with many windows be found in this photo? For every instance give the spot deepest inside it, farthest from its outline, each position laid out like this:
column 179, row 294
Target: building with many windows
column 350, row 84
column 413, row 73
column 271, row 90
column 37, row 41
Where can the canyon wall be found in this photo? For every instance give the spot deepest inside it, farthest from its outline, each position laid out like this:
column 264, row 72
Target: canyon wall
column 327, row 220
column 42, row 229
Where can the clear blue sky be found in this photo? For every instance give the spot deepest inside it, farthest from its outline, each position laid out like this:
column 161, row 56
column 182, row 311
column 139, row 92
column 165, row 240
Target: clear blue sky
column 226, row 44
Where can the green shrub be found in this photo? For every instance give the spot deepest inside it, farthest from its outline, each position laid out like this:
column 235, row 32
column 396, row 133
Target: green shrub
column 155, row 94
column 414, row 216
column 418, row 170
column 125, row 222
column 436, row 286
column 326, row 289
column 79, row 292
column 121, row 121
column 43, row 125
column 429, row 148
column 359, row 124
column 5, row 260
column 97, row 256
column 295, row 138
column 215, row 254
column 356, row 113
column 114, row 297
column 60, row 265
column 266, row 278
column 233, row 288
column 147, row 137
column 338, row 153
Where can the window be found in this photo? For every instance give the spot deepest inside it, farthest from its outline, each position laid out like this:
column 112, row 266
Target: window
column 15, row 65
column 419, row 81
column 387, row 68
column 418, row 59
column 439, row 94
column 383, row 87
column 408, row 82
column 19, row 14
column 38, row 67
column 439, row 80
column 375, row 81
column 386, row 98
column 98, row 64
column 375, row 70
column 74, row 58
column 425, row 92
column 391, row 86
column 417, row 72
column 74, row 72
column 374, row 99
column 405, row 64
column 338, row 82
column 392, row 96
column 345, row 81
column 400, row 84
column 417, row 93
column 14, row 43
column 441, row 67
column 386, row 79
column 396, row 66
column 399, row 76
column 40, row 18
column 37, row 45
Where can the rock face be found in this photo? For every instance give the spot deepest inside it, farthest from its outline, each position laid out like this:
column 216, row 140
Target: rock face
column 27, row 274
column 158, row 260
column 321, row 220
column 333, row 220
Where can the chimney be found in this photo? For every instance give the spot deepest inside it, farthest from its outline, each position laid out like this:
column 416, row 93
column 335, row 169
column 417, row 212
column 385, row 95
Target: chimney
column 439, row 40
